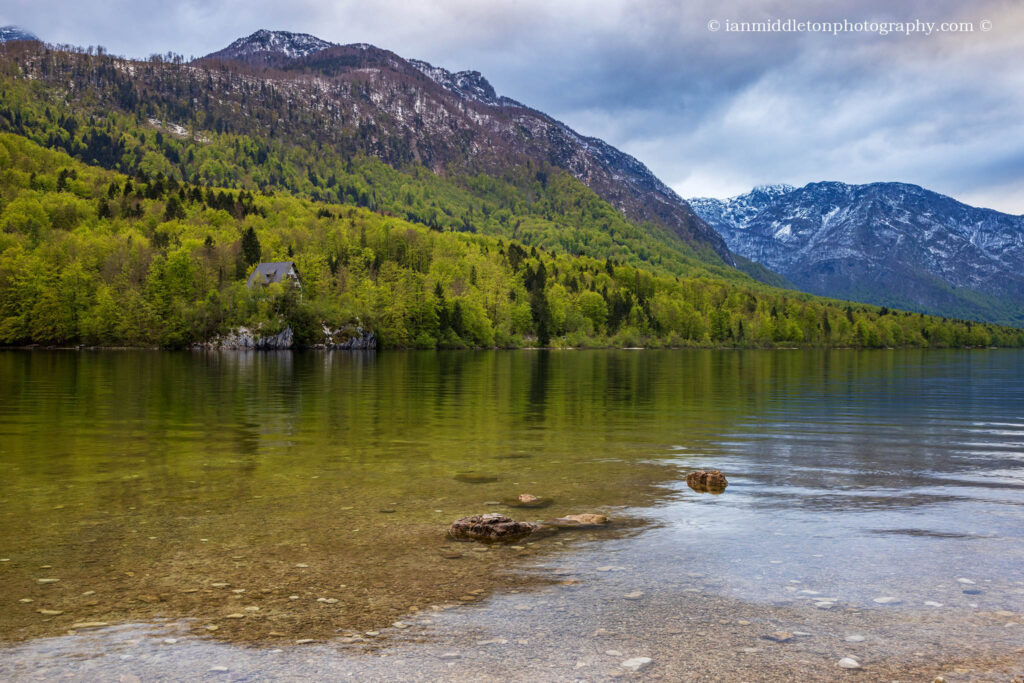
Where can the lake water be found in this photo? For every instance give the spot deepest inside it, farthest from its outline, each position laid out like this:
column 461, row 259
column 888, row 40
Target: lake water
column 253, row 516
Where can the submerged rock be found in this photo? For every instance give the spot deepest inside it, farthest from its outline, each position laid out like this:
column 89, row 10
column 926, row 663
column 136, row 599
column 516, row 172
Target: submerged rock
column 707, row 481
column 637, row 663
column 490, row 527
column 583, row 521
column 474, row 478
column 527, row 500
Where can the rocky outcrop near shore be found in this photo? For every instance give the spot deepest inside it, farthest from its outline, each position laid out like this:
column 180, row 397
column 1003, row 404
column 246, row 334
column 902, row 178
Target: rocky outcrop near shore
column 350, row 338
column 245, row 339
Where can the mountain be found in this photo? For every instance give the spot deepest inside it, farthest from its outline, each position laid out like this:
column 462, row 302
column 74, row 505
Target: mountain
column 9, row 34
column 730, row 216
column 890, row 244
column 451, row 120
column 269, row 47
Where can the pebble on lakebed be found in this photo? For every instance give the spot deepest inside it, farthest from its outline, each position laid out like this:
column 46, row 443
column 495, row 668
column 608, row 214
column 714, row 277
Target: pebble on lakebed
column 637, row 663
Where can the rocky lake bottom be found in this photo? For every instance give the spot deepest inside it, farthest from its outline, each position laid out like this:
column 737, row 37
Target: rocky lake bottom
column 221, row 516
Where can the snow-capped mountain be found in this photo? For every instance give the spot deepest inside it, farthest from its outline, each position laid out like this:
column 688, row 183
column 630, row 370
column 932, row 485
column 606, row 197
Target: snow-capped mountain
column 9, row 34
column 279, row 43
column 729, row 215
column 889, row 244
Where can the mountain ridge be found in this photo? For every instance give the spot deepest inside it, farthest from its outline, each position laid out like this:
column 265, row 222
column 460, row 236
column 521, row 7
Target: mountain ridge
column 493, row 129
column 885, row 243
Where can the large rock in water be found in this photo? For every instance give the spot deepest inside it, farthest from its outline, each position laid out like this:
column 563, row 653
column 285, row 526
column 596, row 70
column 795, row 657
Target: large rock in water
column 490, row 527
column 707, row 481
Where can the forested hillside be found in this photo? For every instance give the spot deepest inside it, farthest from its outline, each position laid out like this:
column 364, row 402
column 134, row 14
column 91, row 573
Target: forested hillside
column 89, row 255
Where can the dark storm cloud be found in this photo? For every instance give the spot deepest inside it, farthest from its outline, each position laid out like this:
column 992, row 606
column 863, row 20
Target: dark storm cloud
column 711, row 113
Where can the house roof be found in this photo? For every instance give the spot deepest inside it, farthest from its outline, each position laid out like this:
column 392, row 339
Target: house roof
column 269, row 273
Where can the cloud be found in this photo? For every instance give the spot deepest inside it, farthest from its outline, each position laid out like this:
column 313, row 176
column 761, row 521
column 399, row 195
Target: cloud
column 711, row 113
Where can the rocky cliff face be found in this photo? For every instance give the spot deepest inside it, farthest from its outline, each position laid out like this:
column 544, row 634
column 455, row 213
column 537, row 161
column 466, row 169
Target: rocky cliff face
column 884, row 243
column 351, row 338
column 445, row 119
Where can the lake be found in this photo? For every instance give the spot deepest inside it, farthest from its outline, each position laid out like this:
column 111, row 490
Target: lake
column 283, row 515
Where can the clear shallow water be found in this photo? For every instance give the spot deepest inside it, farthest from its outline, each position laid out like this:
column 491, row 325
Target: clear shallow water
column 854, row 476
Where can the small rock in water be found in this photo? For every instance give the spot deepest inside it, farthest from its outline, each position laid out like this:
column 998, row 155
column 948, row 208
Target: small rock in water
column 528, row 498
column 779, row 637
column 449, row 655
column 613, row 653
column 400, row 624
column 373, row 633
column 25, row 600
column 47, row 580
column 50, row 612
column 966, row 581
column 932, row 603
column 972, row 591
column 89, row 624
column 170, row 641
column 219, row 669
column 637, row 663
column 707, row 481
column 854, row 638
column 848, row 663
column 301, row 565
column 635, row 595
column 304, row 641
column 887, row 600
column 236, row 615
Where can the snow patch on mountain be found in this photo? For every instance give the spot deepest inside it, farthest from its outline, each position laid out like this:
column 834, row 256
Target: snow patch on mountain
column 9, row 34
column 294, row 45
column 469, row 85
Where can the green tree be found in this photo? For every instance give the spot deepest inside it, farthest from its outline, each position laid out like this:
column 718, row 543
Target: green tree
column 251, row 250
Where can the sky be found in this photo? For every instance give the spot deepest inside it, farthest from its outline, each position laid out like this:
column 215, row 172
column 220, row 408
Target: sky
column 710, row 112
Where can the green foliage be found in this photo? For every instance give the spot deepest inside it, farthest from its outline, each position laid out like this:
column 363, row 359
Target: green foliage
column 138, row 273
